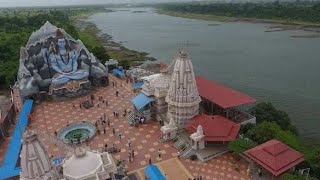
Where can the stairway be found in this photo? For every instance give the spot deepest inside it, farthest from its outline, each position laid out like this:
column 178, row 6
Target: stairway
column 132, row 114
column 180, row 143
column 187, row 152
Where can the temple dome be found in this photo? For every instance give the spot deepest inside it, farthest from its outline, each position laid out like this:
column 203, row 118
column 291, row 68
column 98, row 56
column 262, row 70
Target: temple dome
column 84, row 167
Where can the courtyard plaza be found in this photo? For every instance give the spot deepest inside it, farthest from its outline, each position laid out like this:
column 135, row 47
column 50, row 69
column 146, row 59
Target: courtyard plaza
column 51, row 116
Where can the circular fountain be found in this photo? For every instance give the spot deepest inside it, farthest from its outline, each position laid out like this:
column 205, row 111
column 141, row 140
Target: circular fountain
column 77, row 132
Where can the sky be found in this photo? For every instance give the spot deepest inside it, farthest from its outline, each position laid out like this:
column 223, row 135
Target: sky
column 21, row 3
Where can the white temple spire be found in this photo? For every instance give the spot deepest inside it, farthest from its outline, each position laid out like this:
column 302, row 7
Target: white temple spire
column 35, row 163
column 183, row 98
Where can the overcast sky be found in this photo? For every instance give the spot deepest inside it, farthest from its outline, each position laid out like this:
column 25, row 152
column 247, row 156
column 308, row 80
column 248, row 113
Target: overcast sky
column 19, row 3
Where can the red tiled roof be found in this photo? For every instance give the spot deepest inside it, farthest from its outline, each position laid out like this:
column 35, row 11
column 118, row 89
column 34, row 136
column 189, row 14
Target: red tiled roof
column 275, row 156
column 221, row 95
column 215, row 128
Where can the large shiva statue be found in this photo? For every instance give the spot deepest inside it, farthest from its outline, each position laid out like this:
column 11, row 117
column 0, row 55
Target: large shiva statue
column 64, row 62
column 54, row 63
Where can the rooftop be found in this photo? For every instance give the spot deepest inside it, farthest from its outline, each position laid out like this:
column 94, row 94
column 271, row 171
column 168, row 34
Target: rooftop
column 275, row 156
column 215, row 128
column 221, row 95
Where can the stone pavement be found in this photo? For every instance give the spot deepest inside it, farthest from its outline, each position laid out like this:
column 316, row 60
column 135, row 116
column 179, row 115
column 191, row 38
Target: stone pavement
column 51, row 116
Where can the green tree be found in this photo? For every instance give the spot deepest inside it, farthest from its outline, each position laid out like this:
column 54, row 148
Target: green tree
column 288, row 176
column 265, row 111
column 125, row 64
column 100, row 53
column 240, row 145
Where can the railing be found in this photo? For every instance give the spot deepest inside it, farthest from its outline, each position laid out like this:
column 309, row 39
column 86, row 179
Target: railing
column 52, row 139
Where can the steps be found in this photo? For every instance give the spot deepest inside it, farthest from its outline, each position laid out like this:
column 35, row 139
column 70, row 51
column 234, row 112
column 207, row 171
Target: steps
column 132, row 114
column 188, row 152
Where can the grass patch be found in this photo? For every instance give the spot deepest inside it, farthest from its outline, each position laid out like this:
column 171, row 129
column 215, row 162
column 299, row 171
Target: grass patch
column 89, row 37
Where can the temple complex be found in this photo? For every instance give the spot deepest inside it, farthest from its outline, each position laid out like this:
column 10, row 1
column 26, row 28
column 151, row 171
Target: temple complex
column 167, row 124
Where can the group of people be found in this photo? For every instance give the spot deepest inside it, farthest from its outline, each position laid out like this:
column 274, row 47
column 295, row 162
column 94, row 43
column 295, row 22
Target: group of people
column 140, row 119
column 91, row 101
column 102, row 121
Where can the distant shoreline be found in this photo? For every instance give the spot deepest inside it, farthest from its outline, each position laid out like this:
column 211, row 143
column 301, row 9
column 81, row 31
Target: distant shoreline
column 276, row 25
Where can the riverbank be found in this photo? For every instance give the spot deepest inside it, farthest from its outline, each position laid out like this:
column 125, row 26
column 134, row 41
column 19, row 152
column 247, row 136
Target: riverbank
column 275, row 25
column 92, row 36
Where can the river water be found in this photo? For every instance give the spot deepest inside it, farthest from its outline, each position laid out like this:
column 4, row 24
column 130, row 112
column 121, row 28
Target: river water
column 269, row 66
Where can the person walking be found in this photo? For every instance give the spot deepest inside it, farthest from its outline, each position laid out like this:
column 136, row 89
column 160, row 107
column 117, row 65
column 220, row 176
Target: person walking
column 113, row 131
column 130, row 156
column 178, row 154
column 260, row 172
column 159, row 153
column 129, row 142
column 150, row 162
column 120, row 135
column 104, row 131
column 132, row 153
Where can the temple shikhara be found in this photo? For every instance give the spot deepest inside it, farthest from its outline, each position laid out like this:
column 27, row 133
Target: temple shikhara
column 77, row 121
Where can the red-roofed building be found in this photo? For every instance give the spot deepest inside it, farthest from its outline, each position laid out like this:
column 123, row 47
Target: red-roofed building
column 275, row 156
column 220, row 100
column 206, row 128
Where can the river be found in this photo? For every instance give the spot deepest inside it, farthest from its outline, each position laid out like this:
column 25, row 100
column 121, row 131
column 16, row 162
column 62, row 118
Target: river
column 269, row 66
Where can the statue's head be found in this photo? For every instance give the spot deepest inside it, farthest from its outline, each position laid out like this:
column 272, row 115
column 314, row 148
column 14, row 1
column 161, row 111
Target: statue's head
column 60, row 41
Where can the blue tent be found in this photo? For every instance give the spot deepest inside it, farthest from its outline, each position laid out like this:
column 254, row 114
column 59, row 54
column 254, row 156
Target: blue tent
column 137, row 85
column 118, row 73
column 57, row 160
column 140, row 101
column 8, row 168
column 152, row 172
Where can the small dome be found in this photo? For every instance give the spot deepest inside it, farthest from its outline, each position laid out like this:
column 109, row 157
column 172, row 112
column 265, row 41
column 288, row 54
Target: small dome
column 83, row 167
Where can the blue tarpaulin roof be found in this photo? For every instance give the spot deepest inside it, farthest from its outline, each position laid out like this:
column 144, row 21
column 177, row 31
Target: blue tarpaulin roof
column 137, row 84
column 118, row 72
column 57, row 160
column 8, row 168
column 140, row 101
column 153, row 172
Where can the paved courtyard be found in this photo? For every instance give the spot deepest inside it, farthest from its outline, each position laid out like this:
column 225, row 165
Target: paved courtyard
column 51, row 116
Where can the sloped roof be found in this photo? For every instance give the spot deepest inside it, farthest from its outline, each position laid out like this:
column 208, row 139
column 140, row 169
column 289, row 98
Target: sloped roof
column 140, row 101
column 215, row 128
column 221, row 95
column 275, row 156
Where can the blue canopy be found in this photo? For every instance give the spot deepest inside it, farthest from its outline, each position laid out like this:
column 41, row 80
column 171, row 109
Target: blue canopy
column 153, row 173
column 8, row 168
column 140, row 101
column 118, row 72
column 57, row 160
column 137, row 85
